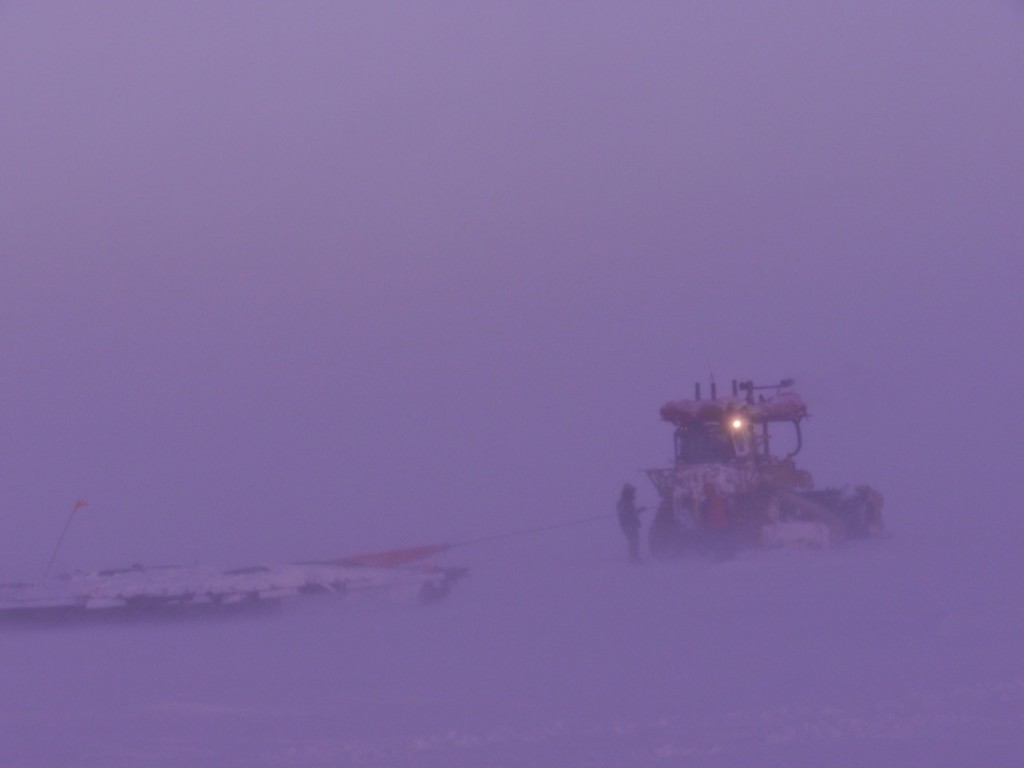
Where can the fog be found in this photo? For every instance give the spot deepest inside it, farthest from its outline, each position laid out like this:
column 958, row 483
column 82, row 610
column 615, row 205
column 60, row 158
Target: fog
column 289, row 281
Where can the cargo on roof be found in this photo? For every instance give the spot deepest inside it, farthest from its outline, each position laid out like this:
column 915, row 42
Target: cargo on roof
column 785, row 406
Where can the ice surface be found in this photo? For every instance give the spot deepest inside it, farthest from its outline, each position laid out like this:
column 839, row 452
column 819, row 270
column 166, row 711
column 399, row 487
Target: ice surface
column 557, row 652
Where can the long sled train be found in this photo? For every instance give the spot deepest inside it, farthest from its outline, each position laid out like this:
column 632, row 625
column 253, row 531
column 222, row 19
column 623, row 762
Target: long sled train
column 194, row 590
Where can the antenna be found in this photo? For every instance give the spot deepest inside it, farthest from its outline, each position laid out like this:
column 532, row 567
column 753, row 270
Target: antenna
column 707, row 360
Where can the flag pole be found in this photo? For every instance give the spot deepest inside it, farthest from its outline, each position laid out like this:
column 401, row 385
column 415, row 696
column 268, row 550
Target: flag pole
column 78, row 505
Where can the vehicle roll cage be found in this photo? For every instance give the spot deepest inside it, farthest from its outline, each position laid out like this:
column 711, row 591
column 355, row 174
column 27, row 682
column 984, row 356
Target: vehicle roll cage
column 712, row 430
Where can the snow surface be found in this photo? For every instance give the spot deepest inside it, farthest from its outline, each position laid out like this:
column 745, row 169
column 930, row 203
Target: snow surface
column 288, row 281
column 555, row 651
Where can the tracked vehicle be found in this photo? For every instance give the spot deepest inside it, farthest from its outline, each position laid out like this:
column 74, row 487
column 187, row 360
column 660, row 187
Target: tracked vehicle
column 730, row 487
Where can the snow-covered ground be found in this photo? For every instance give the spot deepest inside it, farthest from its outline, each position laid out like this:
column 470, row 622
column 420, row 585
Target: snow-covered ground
column 300, row 280
column 556, row 652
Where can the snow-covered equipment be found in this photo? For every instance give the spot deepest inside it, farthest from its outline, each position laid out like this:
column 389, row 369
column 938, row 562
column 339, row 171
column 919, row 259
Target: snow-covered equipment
column 728, row 489
column 194, row 590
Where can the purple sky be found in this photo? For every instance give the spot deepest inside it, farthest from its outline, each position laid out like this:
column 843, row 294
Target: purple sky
column 294, row 280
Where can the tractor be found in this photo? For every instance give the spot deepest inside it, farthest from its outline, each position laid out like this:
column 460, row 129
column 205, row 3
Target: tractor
column 728, row 489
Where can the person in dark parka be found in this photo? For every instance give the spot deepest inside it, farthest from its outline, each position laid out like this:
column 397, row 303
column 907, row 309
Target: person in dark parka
column 717, row 531
column 629, row 520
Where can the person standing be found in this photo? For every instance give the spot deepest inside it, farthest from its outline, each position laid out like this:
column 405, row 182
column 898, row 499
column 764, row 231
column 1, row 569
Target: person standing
column 717, row 531
column 629, row 520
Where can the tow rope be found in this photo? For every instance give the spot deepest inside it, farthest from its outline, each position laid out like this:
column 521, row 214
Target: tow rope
column 529, row 531
column 396, row 557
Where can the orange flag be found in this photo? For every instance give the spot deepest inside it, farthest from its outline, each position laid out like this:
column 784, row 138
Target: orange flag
column 78, row 505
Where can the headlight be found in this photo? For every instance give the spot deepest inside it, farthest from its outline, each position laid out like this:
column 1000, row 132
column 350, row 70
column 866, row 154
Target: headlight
column 737, row 423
